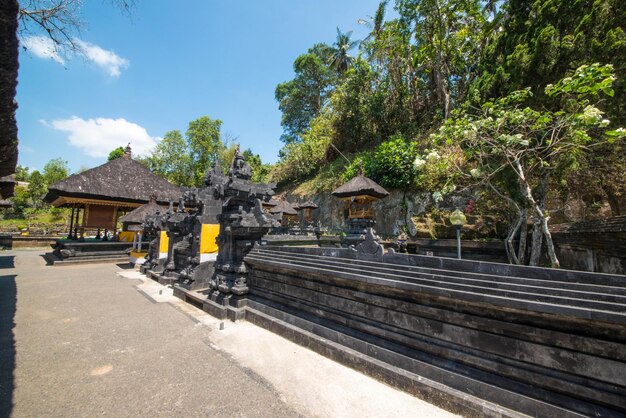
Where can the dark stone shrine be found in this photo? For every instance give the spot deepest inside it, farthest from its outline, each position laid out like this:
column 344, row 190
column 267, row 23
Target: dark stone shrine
column 242, row 224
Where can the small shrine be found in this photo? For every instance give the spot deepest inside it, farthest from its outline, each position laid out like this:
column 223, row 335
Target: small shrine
column 358, row 195
column 285, row 213
column 267, row 206
column 307, row 209
column 133, row 223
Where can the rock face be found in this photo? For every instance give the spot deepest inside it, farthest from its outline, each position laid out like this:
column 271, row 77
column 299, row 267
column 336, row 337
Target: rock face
column 8, row 84
column 405, row 213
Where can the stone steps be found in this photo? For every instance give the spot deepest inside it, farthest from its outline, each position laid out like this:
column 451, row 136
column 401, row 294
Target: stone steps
column 501, row 334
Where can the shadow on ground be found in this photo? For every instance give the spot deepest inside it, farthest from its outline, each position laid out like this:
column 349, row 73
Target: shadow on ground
column 125, row 266
column 8, row 296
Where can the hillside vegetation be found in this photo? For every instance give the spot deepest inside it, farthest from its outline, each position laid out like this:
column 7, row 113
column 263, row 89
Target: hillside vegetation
column 516, row 102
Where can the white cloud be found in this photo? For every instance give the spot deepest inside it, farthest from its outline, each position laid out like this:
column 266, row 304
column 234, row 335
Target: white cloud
column 107, row 60
column 98, row 137
column 42, row 47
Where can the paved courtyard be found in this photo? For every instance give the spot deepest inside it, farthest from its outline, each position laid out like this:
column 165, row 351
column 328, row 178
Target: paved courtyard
column 102, row 340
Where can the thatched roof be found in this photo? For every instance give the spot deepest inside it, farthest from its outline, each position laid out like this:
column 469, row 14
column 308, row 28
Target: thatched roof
column 122, row 179
column 307, row 205
column 285, row 208
column 360, row 186
column 7, row 186
column 137, row 216
column 271, row 202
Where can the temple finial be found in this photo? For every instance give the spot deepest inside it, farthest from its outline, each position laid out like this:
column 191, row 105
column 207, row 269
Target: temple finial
column 127, row 151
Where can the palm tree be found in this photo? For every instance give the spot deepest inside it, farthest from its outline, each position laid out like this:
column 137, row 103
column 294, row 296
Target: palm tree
column 341, row 60
column 375, row 23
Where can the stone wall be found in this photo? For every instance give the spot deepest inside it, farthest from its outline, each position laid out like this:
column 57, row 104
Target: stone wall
column 480, row 339
column 404, row 212
column 598, row 245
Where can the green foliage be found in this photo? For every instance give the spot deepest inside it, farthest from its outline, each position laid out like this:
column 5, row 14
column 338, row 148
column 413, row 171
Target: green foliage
column 303, row 98
column 116, row 153
column 21, row 202
column 506, row 137
column 185, row 160
column 498, row 66
column 21, row 173
column 360, row 164
column 341, row 59
column 392, row 164
column 37, row 188
column 55, row 170
column 302, row 160
column 260, row 171
column 171, row 159
column 203, row 138
column 535, row 43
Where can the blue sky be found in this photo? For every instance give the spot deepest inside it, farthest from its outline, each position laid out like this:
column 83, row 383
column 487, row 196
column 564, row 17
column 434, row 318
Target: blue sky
column 167, row 64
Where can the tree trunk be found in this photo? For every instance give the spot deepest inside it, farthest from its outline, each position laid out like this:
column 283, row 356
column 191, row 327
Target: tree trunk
column 550, row 244
column 8, row 84
column 540, row 224
column 536, row 244
column 523, row 237
column 510, row 249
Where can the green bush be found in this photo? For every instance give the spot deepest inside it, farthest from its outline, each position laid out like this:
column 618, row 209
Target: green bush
column 393, row 163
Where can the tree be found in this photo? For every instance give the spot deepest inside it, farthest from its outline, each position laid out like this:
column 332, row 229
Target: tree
column 116, row 153
column 203, row 137
column 448, row 36
column 21, row 173
column 260, row 171
column 55, row 170
column 303, row 98
column 515, row 150
column 171, row 159
column 375, row 23
column 341, row 60
column 538, row 42
column 56, row 19
column 37, row 189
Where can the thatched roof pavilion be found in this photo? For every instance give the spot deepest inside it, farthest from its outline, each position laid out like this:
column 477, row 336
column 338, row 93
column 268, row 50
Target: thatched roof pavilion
column 360, row 186
column 137, row 216
column 359, row 193
column 307, row 210
column 284, row 208
column 123, row 180
column 102, row 192
column 307, row 205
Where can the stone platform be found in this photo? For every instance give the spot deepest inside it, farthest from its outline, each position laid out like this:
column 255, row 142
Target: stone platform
column 477, row 338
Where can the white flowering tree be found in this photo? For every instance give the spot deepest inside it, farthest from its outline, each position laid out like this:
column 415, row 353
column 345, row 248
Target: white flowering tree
column 515, row 150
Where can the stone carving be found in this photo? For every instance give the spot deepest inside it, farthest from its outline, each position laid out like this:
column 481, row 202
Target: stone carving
column 370, row 245
column 151, row 226
column 242, row 224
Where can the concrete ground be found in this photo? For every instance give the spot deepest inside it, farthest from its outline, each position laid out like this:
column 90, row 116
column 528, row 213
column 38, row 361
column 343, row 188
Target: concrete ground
column 102, row 340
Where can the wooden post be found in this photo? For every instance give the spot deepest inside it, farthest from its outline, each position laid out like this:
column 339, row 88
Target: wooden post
column 69, row 234
column 76, row 223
